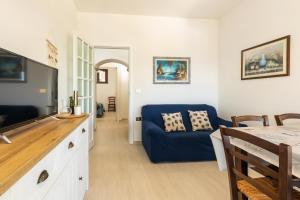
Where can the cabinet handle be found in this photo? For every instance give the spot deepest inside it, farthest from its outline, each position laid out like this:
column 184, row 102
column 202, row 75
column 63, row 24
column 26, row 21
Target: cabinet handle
column 43, row 177
column 80, row 178
column 71, row 145
column 83, row 130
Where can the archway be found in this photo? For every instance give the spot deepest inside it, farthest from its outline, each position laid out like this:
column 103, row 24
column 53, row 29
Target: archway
column 106, row 61
column 116, row 86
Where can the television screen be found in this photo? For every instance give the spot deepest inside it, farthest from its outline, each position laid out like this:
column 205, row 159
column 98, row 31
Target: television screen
column 28, row 90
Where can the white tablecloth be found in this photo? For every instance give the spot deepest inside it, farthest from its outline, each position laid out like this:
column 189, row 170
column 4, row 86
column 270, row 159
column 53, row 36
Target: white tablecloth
column 287, row 134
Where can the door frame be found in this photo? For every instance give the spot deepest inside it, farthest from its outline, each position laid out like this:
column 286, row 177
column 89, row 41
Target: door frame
column 130, row 88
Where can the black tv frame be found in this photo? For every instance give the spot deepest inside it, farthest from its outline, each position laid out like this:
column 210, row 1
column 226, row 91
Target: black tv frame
column 27, row 122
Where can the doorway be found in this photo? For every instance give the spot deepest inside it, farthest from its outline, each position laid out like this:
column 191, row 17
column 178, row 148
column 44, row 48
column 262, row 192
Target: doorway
column 112, row 90
column 113, row 85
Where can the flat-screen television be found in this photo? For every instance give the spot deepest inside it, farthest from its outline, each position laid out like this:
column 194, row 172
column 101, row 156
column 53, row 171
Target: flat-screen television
column 28, row 90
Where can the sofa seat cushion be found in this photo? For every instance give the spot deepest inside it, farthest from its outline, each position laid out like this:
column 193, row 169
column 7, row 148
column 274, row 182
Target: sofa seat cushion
column 189, row 137
column 190, row 146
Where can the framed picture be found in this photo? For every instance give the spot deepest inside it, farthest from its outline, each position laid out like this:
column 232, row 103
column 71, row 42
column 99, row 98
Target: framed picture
column 171, row 70
column 52, row 54
column 271, row 59
column 102, row 76
column 12, row 68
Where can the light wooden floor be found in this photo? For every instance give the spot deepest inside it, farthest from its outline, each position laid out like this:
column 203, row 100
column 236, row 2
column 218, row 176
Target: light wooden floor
column 120, row 171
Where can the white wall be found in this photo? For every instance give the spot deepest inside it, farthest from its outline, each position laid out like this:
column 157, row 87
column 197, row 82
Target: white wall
column 159, row 36
column 104, row 91
column 249, row 24
column 25, row 26
column 123, row 95
column 101, row 54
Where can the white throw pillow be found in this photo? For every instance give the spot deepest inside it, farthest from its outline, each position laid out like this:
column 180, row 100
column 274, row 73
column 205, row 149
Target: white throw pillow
column 173, row 122
column 200, row 120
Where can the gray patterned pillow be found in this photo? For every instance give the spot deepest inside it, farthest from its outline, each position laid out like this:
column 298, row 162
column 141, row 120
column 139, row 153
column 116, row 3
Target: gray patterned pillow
column 200, row 120
column 173, row 122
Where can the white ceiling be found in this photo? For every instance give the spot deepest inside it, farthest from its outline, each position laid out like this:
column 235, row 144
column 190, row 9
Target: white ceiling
column 212, row 9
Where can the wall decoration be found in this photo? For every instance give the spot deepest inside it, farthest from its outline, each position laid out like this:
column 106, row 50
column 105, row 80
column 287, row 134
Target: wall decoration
column 12, row 68
column 102, row 76
column 171, row 70
column 52, row 54
column 271, row 59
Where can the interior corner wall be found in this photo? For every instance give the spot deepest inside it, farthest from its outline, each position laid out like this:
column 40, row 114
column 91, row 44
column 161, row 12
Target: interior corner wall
column 159, row 36
column 249, row 24
column 25, row 26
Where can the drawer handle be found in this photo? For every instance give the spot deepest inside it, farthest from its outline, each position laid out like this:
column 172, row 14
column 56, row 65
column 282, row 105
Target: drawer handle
column 71, row 145
column 43, row 177
column 83, row 130
column 80, row 178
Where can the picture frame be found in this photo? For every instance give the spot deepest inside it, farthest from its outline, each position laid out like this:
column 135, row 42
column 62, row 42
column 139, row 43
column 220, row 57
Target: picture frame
column 52, row 54
column 102, row 76
column 267, row 60
column 171, row 70
column 13, row 69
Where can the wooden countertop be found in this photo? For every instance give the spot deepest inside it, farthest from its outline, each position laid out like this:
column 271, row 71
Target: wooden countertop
column 29, row 146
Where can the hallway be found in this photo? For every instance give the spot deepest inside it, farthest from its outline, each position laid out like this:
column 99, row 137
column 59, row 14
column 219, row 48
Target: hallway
column 120, row 171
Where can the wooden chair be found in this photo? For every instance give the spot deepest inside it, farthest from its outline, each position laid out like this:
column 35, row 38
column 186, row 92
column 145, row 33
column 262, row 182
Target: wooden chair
column 280, row 118
column 236, row 120
column 111, row 104
column 278, row 187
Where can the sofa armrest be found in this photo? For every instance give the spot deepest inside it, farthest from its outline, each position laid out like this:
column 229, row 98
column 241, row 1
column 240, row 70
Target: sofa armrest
column 152, row 129
column 229, row 123
column 224, row 122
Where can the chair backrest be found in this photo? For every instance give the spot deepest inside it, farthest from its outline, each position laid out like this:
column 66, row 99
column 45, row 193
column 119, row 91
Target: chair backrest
column 111, row 100
column 236, row 120
column 237, row 158
column 280, row 118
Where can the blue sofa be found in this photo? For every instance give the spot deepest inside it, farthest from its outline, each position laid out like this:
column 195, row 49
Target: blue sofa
column 178, row 146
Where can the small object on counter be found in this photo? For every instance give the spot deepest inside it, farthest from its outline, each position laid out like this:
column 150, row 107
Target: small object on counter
column 77, row 110
column 72, row 104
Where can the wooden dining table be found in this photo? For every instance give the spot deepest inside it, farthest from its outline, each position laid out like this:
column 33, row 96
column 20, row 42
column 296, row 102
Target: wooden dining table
column 289, row 135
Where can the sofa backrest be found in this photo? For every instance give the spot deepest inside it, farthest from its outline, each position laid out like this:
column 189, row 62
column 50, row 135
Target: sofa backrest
column 153, row 113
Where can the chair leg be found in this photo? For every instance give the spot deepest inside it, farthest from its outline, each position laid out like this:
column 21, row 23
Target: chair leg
column 241, row 196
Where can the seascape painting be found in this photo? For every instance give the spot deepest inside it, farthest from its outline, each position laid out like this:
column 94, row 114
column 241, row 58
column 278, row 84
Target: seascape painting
column 267, row 60
column 175, row 70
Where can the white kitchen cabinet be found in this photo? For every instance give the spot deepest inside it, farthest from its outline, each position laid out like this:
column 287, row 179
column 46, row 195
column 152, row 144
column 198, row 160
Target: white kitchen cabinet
column 5, row 196
column 64, row 172
column 83, row 165
column 66, row 186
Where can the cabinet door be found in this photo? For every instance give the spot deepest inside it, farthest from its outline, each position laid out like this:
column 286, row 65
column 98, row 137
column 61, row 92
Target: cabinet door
column 65, row 188
column 83, row 164
column 5, row 196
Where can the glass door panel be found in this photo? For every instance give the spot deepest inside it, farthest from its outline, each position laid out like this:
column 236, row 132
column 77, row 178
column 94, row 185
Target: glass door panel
column 79, row 69
column 90, row 88
column 91, row 71
column 80, row 88
column 85, row 69
column 85, row 53
column 79, row 47
column 85, row 94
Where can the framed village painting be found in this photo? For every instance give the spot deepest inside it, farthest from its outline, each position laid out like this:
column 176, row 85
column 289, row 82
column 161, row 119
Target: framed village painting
column 171, row 70
column 271, row 59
